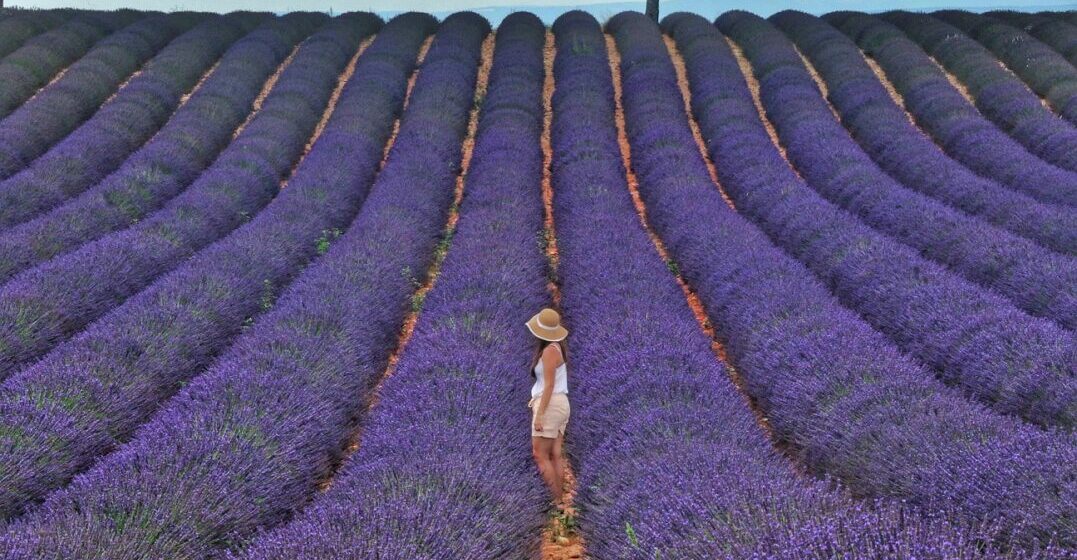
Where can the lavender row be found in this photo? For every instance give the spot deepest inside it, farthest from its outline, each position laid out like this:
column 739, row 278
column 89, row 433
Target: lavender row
column 1058, row 34
column 1037, row 280
column 63, row 105
column 443, row 467
column 977, row 340
column 16, row 31
column 903, row 151
column 997, row 92
column 37, row 61
column 697, row 478
column 1045, row 71
column 949, row 118
column 139, row 109
column 45, row 305
column 839, row 392
column 170, row 161
column 247, row 442
column 82, row 397
column 92, row 392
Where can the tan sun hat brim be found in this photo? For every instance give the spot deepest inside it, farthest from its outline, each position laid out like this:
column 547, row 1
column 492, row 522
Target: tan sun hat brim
column 555, row 334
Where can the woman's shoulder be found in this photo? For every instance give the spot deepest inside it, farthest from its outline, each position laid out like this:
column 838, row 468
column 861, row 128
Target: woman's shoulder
column 553, row 353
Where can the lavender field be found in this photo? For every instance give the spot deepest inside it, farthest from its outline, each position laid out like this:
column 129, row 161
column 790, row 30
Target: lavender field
column 264, row 279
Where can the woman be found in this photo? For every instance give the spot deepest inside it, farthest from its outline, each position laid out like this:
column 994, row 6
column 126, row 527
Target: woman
column 549, row 399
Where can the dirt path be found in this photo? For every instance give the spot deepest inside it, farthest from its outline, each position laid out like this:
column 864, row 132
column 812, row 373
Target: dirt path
column 467, row 147
column 753, row 87
column 331, row 106
column 408, row 327
column 423, row 49
column 819, row 82
column 694, row 301
column 59, row 75
column 686, row 95
column 560, row 539
column 549, row 233
column 201, row 81
column 958, row 85
column 266, row 88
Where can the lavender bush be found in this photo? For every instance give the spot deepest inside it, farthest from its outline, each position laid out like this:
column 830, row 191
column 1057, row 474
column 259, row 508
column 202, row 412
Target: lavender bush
column 197, row 362
column 45, row 305
column 32, row 65
column 1036, row 280
column 670, row 461
column 997, row 92
column 904, row 152
column 949, row 118
column 850, row 403
column 977, row 340
column 443, row 467
column 139, row 354
column 16, row 31
column 138, row 110
column 1058, row 34
column 249, row 440
column 1044, row 70
column 61, row 106
column 171, row 160
column 1069, row 17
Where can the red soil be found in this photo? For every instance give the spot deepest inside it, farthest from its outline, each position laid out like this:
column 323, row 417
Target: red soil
column 346, row 75
column 819, row 83
column 266, row 88
column 888, row 86
column 197, row 86
column 407, row 97
column 753, row 87
column 694, row 303
column 558, row 541
column 548, row 53
column 54, row 79
column 122, row 85
column 960, row 87
column 686, row 95
column 408, row 327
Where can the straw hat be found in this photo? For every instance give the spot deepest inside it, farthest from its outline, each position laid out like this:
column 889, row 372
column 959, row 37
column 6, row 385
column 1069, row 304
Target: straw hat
column 546, row 324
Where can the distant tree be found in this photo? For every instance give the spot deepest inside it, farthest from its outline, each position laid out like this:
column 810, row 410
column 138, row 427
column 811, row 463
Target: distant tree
column 652, row 9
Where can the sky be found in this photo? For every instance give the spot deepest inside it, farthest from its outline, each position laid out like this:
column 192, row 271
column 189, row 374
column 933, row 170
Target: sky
column 549, row 9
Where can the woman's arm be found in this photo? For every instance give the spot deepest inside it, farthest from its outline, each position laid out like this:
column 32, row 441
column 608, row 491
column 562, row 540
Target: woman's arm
column 550, row 359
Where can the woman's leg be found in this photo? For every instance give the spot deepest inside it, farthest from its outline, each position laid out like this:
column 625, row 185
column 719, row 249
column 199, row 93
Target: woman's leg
column 542, row 450
column 558, row 466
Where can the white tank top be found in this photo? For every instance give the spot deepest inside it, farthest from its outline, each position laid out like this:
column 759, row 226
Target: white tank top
column 560, row 378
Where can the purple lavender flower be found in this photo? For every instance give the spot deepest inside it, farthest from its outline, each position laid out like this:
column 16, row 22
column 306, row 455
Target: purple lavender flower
column 24, row 26
column 907, row 154
column 139, row 354
column 41, row 58
column 950, row 119
column 136, row 113
column 1044, row 70
column 851, row 405
column 61, row 106
column 170, row 161
column 46, row 305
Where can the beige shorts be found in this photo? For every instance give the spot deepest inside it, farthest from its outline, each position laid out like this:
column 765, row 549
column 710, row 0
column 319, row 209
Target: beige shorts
column 555, row 420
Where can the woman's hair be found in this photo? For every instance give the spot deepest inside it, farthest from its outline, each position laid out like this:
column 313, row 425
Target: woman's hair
column 541, row 345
